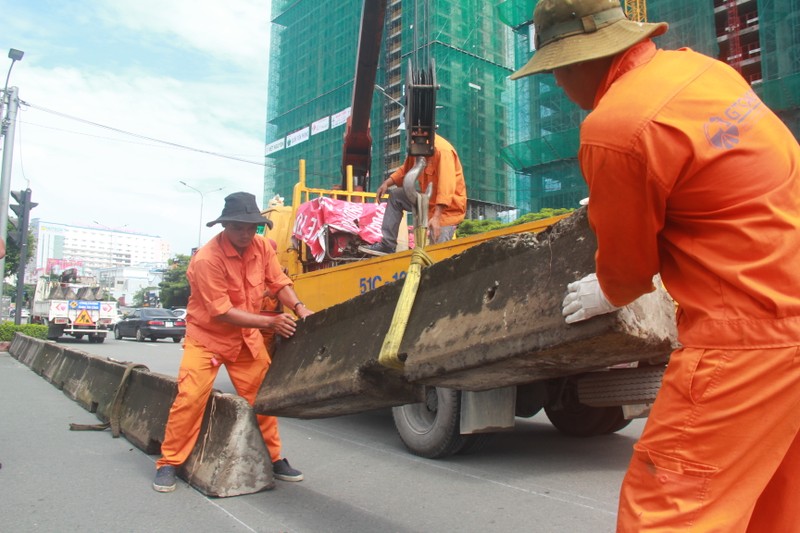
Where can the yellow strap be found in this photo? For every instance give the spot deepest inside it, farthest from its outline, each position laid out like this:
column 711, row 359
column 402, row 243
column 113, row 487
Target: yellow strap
column 389, row 356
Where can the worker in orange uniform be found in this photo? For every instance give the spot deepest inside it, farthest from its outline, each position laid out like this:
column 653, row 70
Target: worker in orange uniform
column 270, row 305
column 691, row 176
column 228, row 277
column 447, row 205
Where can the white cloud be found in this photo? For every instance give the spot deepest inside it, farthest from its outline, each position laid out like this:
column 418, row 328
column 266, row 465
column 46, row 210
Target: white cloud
column 231, row 31
column 81, row 173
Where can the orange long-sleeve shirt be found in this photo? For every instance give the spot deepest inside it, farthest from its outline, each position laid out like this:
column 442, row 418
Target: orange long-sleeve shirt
column 220, row 279
column 691, row 175
column 443, row 170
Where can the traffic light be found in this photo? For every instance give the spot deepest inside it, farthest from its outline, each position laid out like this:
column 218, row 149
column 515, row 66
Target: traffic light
column 22, row 210
column 20, row 235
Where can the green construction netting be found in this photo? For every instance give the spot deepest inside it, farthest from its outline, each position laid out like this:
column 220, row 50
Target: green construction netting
column 312, row 65
column 517, row 140
column 515, row 13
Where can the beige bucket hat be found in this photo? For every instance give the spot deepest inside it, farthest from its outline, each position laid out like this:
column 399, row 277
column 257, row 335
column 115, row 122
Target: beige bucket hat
column 573, row 31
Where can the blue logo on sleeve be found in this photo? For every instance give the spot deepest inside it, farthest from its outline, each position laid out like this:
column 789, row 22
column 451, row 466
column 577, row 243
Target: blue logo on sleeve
column 725, row 132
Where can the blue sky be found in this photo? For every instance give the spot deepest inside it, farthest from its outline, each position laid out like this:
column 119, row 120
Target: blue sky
column 189, row 72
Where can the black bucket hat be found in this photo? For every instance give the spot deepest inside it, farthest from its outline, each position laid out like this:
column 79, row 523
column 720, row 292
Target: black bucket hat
column 241, row 207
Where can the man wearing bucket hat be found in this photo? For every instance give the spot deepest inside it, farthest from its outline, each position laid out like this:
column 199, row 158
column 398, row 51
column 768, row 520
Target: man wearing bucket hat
column 691, row 176
column 228, row 278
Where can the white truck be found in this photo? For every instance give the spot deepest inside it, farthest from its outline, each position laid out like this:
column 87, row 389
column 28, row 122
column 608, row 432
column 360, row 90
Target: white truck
column 73, row 305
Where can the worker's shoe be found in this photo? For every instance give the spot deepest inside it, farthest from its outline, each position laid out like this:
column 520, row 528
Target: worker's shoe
column 282, row 470
column 376, row 249
column 165, row 479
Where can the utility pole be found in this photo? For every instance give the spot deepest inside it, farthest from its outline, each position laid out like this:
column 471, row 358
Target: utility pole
column 9, row 124
column 9, row 121
column 23, row 212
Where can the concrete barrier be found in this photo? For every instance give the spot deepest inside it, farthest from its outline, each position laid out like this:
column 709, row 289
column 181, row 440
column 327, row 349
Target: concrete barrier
column 230, row 457
column 487, row 318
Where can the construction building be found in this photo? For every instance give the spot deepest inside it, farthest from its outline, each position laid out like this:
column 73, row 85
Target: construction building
column 518, row 141
column 312, row 66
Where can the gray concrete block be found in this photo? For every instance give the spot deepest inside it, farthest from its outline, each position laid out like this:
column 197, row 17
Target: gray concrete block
column 507, row 328
column 230, row 457
column 489, row 317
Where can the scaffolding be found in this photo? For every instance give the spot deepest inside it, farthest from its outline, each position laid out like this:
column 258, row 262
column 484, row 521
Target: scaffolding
column 311, row 74
column 518, row 141
column 779, row 29
column 545, row 156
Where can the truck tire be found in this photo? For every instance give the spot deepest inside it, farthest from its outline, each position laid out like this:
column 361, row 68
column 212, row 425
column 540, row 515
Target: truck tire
column 139, row 336
column 578, row 420
column 431, row 428
column 54, row 331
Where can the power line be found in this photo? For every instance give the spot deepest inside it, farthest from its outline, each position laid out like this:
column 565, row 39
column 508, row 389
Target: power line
column 140, row 136
column 149, row 139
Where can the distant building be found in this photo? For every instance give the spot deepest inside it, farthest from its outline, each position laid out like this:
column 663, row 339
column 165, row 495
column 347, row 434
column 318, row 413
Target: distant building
column 124, row 282
column 91, row 249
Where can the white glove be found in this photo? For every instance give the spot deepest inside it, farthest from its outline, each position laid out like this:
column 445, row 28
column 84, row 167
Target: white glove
column 584, row 300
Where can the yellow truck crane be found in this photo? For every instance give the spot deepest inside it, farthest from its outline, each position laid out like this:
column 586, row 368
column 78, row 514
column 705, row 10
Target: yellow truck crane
column 484, row 341
column 591, row 382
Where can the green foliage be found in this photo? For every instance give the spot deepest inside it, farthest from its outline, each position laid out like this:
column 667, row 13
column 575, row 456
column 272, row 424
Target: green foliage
column 140, row 295
column 8, row 329
column 475, row 227
column 175, row 286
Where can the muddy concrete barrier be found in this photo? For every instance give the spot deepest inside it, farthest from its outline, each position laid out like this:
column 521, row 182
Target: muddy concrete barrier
column 487, row 318
column 230, row 457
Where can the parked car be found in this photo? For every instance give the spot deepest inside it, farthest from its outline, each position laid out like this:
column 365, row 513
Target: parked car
column 150, row 323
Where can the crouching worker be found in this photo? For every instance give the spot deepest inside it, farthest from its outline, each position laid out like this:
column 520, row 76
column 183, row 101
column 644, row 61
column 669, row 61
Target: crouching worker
column 227, row 278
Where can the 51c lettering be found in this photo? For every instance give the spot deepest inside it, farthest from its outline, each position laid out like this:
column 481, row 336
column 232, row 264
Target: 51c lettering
column 370, row 284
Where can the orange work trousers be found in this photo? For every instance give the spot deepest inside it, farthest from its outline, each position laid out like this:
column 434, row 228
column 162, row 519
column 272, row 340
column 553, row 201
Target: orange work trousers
column 720, row 451
column 195, row 380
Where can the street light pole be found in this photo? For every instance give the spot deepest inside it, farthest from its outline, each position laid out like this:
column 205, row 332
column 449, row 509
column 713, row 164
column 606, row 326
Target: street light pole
column 200, row 226
column 5, row 174
column 398, row 102
column 15, row 55
column 9, row 121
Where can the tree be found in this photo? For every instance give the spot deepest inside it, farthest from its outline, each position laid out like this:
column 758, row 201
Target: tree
column 175, row 286
column 146, row 296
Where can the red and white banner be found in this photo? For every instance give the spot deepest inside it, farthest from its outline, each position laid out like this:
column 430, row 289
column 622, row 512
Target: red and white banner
column 362, row 219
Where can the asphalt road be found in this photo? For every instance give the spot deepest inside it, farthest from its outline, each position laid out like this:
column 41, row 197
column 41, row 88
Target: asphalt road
column 359, row 478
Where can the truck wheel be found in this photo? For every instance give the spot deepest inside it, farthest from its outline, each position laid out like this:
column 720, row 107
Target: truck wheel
column 139, row 336
column 97, row 339
column 578, row 420
column 117, row 334
column 53, row 331
column 431, row 429
column 78, row 336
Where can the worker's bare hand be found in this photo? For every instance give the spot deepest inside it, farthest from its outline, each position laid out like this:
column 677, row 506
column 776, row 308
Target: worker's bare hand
column 303, row 312
column 380, row 192
column 282, row 324
column 434, row 229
